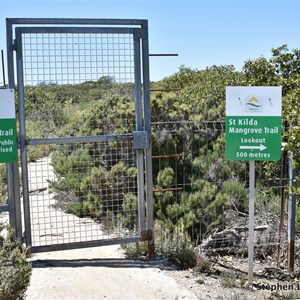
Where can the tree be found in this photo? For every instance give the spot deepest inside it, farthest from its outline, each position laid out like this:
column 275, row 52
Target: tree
column 282, row 69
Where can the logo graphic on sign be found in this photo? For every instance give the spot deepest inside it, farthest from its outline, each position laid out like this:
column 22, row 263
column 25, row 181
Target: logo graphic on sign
column 254, row 104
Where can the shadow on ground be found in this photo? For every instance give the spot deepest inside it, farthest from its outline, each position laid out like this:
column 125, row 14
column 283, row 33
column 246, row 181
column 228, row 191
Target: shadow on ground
column 100, row 262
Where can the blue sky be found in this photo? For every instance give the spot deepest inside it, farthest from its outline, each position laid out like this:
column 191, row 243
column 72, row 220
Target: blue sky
column 202, row 32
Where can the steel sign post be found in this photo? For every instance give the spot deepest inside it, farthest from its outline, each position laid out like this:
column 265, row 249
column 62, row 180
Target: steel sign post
column 253, row 132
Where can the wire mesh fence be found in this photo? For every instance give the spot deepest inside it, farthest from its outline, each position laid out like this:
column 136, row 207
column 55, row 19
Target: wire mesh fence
column 203, row 199
column 80, row 85
column 72, row 58
column 83, row 192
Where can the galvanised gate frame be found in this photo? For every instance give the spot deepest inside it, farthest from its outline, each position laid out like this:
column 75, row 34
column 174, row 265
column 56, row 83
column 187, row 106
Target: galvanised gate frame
column 44, row 48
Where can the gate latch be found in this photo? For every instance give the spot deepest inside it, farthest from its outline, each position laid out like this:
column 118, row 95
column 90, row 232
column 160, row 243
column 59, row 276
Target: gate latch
column 140, row 140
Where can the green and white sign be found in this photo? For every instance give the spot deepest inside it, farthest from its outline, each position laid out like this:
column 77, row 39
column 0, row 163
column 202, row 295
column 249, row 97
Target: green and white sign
column 253, row 123
column 8, row 133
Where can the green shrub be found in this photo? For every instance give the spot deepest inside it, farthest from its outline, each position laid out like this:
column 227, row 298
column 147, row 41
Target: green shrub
column 184, row 257
column 38, row 129
column 85, row 188
column 231, row 280
column 3, row 184
column 135, row 250
column 202, row 264
column 15, row 270
column 130, row 208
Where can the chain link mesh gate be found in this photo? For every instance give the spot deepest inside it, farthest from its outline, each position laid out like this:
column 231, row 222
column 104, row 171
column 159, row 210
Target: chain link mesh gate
column 84, row 115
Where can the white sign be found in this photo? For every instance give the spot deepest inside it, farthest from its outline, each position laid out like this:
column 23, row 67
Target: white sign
column 7, row 104
column 8, row 132
column 253, row 101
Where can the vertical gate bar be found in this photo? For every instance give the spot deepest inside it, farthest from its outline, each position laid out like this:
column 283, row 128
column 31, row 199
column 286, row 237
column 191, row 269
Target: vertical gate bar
column 9, row 166
column 13, row 181
column 291, row 215
column 23, row 147
column 139, row 127
column 148, row 152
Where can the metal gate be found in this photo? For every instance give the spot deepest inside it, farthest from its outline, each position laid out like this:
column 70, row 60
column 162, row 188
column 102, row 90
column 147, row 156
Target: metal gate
column 84, row 132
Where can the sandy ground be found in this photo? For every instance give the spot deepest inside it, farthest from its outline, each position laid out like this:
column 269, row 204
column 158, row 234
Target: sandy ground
column 100, row 273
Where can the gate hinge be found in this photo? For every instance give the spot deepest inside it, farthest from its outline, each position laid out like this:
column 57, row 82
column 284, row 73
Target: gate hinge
column 141, row 140
column 146, row 235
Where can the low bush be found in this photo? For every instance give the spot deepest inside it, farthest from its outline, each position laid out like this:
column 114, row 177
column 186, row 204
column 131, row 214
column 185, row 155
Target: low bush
column 15, row 270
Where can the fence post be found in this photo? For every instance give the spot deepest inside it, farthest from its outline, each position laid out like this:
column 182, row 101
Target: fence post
column 283, row 196
column 13, row 180
column 291, row 215
column 148, row 152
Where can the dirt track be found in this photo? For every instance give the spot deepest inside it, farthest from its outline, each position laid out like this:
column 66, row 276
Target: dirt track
column 100, row 273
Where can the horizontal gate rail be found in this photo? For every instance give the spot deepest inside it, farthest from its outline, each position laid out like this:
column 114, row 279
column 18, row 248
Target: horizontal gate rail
column 79, row 139
column 105, row 30
column 71, row 21
column 78, row 245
